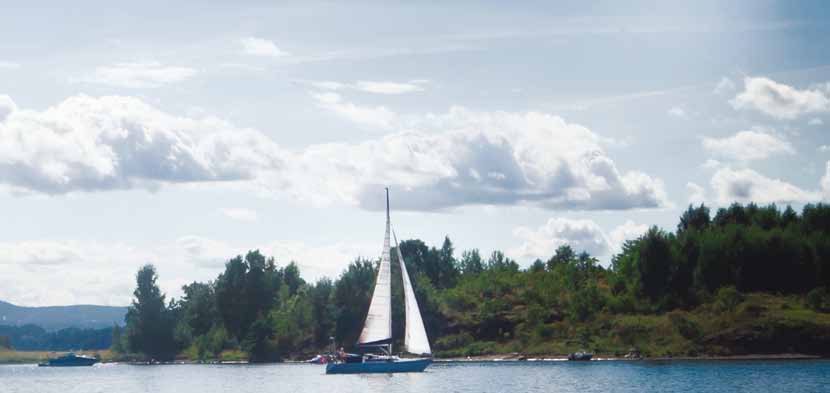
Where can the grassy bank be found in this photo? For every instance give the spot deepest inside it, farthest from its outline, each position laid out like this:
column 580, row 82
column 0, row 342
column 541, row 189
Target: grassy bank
column 760, row 324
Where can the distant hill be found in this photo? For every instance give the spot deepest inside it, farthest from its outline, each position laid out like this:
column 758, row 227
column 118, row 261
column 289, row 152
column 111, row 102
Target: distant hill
column 60, row 317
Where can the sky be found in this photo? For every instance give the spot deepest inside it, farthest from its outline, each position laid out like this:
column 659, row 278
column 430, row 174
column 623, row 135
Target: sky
column 182, row 134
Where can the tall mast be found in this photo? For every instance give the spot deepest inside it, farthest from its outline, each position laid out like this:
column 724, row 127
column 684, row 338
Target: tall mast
column 388, row 225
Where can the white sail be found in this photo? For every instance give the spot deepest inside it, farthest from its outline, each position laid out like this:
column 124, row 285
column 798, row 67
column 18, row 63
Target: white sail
column 415, row 337
column 378, row 325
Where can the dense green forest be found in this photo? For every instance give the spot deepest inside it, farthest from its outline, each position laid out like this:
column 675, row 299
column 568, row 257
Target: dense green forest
column 35, row 338
column 749, row 279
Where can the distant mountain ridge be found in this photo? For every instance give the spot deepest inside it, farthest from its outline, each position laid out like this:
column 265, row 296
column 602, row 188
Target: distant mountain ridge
column 60, row 317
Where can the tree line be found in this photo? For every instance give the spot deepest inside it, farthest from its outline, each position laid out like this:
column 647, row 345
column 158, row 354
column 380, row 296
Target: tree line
column 473, row 301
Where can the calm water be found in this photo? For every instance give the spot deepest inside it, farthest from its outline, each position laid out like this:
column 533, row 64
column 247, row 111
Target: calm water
column 748, row 376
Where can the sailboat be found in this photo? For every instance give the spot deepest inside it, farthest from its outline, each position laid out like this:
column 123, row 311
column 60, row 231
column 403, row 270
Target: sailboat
column 377, row 328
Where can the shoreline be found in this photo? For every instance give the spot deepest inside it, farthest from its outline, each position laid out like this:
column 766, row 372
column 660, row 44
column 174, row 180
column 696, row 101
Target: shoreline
column 507, row 358
column 600, row 358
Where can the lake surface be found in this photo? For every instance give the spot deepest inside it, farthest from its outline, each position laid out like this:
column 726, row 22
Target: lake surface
column 609, row 376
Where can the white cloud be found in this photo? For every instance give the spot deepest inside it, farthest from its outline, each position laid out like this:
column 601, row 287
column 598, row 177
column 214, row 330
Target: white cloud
column 8, row 65
column 35, row 273
column 388, row 87
column 202, row 252
column 748, row 145
column 627, row 231
column 91, row 144
column 815, row 122
column 239, row 214
column 725, row 85
column 86, row 144
column 697, row 194
column 37, row 253
column 677, row 112
column 825, row 182
column 779, row 100
column 377, row 116
column 711, row 164
column 7, row 106
column 746, row 185
column 519, row 157
column 376, row 87
column 320, row 261
column 580, row 234
column 824, row 148
column 139, row 75
column 261, row 47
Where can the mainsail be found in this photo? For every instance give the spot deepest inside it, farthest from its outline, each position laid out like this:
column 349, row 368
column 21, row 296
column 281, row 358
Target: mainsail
column 415, row 338
column 378, row 326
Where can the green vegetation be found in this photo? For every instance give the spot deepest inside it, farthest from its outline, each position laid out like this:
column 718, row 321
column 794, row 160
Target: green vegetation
column 150, row 323
column 748, row 280
column 35, row 338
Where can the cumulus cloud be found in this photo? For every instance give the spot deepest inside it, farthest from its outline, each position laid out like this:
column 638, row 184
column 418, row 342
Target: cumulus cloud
column 748, row 145
column 86, row 144
column 239, row 214
column 825, row 182
column 468, row 157
column 462, row 157
column 697, row 194
column 260, row 47
column 34, row 273
column 627, row 231
column 580, row 234
column 746, row 185
column 779, row 100
column 139, row 75
column 815, row 122
column 824, row 148
column 377, row 87
column 7, row 106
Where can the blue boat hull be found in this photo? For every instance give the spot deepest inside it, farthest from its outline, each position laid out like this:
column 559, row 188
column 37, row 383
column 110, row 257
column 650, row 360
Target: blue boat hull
column 382, row 367
column 72, row 362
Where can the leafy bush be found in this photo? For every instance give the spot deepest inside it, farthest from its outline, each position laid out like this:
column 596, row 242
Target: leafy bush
column 480, row 348
column 623, row 303
column 687, row 328
column 728, row 298
column 544, row 331
column 454, row 341
column 818, row 298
